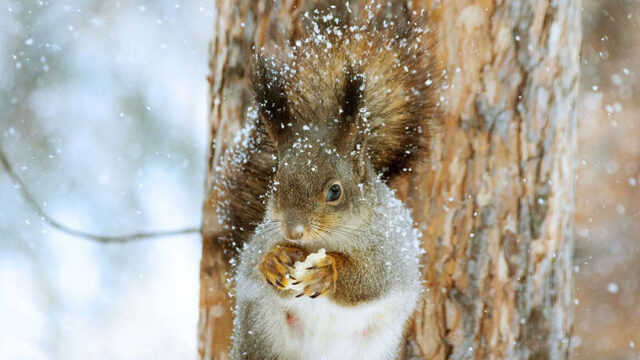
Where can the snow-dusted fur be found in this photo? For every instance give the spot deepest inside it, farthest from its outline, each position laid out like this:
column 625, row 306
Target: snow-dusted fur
column 273, row 324
column 348, row 108
column 382, row 71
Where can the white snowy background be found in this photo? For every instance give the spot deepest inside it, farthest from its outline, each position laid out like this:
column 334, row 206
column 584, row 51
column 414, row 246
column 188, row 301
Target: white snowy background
column 103, row 114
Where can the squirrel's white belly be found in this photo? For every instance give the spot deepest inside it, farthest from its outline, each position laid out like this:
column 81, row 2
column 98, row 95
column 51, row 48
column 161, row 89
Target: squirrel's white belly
column 320, row 329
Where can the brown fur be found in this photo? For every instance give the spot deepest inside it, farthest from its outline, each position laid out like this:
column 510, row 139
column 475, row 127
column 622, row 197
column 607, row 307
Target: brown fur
column 345, row 114
column 238, row 194
column 389, row 71
column 385, row 77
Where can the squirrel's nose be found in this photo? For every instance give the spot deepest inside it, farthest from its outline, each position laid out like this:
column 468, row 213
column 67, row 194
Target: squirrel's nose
column 293, row 231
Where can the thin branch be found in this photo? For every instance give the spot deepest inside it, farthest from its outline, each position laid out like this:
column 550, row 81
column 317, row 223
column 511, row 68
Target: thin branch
column 26, row 194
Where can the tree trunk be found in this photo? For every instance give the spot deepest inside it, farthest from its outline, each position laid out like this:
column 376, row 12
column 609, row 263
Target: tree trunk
column 495, row 205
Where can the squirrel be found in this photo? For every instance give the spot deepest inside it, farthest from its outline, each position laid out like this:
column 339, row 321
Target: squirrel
column 332, row 271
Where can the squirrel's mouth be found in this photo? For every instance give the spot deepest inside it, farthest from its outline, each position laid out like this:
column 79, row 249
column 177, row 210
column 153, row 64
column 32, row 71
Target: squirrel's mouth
column 304, row 234
column 294, row 231
column 318, row 229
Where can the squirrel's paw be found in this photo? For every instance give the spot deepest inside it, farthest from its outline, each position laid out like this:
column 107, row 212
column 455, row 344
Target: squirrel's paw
column 319, row 279
column 278, row 263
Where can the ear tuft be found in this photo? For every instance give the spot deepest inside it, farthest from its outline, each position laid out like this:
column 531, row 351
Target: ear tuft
column 269, row 87
column 351, row 95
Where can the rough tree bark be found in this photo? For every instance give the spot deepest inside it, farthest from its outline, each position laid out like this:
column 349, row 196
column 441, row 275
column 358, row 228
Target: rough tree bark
column 496, row 205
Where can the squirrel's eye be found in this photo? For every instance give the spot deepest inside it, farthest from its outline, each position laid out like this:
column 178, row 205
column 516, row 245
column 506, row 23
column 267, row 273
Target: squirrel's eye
column 333, row 194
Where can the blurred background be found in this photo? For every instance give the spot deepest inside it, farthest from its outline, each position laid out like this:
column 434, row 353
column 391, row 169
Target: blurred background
column 607, row 231
column 103, row 115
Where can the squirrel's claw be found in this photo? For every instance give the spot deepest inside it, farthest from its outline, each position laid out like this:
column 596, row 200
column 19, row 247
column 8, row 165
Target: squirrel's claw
column 277, row 264
column 320, row 279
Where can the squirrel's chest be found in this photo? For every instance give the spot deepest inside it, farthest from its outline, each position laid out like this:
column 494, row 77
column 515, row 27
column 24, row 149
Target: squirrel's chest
column 318, row 317
column 321, row 329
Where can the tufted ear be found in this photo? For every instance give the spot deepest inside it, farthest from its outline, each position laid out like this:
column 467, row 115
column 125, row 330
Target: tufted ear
column 348, row 134
column 269, row 87
column 351, row 134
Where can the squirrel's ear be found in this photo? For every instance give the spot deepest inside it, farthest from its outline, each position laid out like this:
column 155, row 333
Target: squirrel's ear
column 269, row 87
column 361, row 159
column 351, row 134
column 348, row 134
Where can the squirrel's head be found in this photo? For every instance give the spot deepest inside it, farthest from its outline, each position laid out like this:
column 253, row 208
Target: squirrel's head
column 347, row 104
column 323, row 171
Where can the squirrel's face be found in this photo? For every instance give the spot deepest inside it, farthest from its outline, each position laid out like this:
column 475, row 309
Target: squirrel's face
column 316, row 195
column 321, row 144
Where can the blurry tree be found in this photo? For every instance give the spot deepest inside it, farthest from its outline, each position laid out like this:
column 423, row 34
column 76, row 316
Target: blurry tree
column 496, row 206
column 607, row 317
